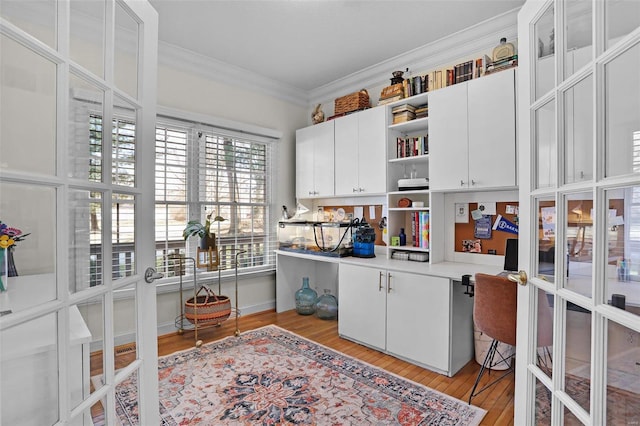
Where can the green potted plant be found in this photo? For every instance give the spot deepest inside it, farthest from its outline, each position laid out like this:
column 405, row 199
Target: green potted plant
column 195, row 227
column 207, row 238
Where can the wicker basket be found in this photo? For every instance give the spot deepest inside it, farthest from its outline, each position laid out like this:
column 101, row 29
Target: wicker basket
column 352, row 102
column 207, row 308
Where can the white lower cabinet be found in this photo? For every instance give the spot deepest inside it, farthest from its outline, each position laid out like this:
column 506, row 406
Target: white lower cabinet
column 362, row 312
column 422, row 319
column 418, row 318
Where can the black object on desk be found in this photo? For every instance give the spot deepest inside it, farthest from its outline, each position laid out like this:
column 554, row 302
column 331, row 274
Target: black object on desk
column 618, row 300
column 466, row 281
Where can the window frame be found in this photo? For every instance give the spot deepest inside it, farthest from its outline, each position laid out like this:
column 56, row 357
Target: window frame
column 194, row 123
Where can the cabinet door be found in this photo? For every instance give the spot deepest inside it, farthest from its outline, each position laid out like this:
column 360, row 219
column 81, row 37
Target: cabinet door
column 492, row 131
column 304, row 162
column 371, row 151
column 323, row 161
column 361, row 311
column 418, row 312
column 314, row 160
column 346, row 157
column 448, row 150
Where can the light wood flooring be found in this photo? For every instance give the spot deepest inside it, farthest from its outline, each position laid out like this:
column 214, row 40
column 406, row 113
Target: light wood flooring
column 497, row 400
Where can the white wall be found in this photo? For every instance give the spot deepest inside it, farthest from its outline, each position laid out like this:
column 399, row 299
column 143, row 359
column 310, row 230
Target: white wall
column 193, row 92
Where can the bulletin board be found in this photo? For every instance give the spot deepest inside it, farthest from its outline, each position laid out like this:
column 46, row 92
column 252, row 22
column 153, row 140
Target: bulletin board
column 497, row 241
column 372, row 222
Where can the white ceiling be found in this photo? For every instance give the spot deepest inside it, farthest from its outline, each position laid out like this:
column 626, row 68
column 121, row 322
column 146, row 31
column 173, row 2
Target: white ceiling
column 310, row 43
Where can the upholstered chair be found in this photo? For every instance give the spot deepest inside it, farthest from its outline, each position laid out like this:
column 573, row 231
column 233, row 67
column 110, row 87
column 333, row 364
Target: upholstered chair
column 494, row 313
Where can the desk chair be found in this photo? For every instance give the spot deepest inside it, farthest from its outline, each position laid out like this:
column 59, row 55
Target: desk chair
column 494, row 313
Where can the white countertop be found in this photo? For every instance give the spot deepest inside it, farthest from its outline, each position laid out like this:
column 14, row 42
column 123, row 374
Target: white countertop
column 37, row 335
column 451, row 270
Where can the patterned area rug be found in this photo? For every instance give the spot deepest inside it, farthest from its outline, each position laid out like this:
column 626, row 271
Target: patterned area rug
column 271, row 376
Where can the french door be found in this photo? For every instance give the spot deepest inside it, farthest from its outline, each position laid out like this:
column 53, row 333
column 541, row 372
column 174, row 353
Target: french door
column 77, row 114
column 578, row 351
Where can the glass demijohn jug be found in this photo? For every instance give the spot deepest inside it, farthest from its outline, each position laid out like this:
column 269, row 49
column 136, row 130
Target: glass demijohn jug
column 306, row 298
column 327, row 306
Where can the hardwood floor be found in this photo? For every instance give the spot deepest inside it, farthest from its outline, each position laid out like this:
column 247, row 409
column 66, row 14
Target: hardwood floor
column 498, row 400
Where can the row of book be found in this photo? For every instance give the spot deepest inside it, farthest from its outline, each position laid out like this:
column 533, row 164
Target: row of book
column 420, row 229
column 438, row 79
column 412, row 146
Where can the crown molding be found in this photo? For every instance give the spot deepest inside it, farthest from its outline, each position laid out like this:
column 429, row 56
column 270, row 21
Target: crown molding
column 176, row 57
column 464, row 43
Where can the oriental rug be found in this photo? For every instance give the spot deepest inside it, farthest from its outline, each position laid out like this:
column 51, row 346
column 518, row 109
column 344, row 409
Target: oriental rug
column 271, row 376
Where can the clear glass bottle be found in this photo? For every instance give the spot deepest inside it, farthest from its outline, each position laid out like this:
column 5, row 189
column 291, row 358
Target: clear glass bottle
column 503, row 51
column 306, row 298
column 327, row 306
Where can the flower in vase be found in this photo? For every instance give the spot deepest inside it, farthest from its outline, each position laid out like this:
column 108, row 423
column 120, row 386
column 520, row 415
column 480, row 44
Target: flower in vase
column 9, row 236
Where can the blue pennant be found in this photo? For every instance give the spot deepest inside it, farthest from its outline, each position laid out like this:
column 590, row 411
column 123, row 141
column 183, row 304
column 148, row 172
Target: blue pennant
column 504, row 225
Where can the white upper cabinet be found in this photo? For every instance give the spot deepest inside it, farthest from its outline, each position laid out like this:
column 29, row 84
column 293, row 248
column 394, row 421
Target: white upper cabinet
column 448, row 138
column 472, row 134
column 360, row 158
column 314, row 161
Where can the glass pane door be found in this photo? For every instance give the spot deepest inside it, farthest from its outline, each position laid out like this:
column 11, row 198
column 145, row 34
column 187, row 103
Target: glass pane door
column 578, row 314
column 75, row 237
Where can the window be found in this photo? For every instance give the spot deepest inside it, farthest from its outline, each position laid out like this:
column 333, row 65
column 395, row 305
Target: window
column 202, row 170
column 198, row 170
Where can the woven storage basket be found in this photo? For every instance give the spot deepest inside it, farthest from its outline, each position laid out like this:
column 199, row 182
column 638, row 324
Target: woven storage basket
column 207, row 308
column 352, row 102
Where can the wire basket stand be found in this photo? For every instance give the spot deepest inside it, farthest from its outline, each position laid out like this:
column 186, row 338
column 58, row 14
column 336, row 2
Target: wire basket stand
column 195, row 326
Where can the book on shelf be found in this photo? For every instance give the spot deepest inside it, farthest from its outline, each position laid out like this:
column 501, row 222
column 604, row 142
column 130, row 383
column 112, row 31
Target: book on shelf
column 464, row 71
column 391, row 93
column 390, row 99
column 402, row 108
column 495, row 70
column 424, row 230
column 422, row 111
column 402, row 117
column 431, row 81
column 480, row 66
column 414, row 230
column 420, row 229
column 412, row 146
column 503, row 66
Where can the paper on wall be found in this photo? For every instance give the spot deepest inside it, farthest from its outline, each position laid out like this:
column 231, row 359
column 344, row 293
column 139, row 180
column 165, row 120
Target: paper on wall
column 462, row 213
column 358, row 212
column 487, row 208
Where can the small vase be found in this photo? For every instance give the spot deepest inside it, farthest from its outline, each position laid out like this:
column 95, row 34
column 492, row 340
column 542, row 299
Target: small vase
column 11, row 266
column 208, row 241
column 327, row 306
column 306, row 298
column 3, row 269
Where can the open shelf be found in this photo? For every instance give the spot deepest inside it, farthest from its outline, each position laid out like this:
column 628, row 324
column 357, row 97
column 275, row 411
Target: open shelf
column 411, row 125
column 410, row 160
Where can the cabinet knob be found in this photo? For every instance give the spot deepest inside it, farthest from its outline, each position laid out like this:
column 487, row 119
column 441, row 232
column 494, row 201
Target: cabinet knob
column 461, row 182
column 310, row 193
column 473, row 182
column 389, row 283
column 380, row 282
column 355, row 189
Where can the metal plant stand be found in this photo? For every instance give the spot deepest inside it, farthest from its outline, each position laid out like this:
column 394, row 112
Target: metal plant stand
column 179, row 322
